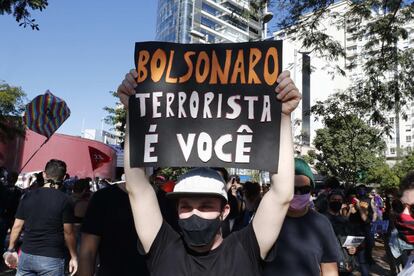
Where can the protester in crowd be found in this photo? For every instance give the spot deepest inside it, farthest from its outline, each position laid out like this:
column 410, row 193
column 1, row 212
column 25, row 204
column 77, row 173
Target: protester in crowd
column 80, row 197
column 307, row 244
column 3, row 206
column 202, row 206
column 321, row 202
column 377, row 203
column 251, row 200
column 402, row 242
column 342, row 229
column 233, row 201
column 167, row 207
column 9, row 200
column 47, row 216
column 360, row 222
column 108, row 231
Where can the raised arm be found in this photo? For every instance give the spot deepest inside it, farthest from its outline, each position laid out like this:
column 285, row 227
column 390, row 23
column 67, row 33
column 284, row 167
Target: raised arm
column 144, row 204
column 275, row 203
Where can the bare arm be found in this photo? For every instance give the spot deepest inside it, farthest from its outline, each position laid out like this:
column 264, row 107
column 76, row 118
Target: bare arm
column 87, row 254
column 329, row 269
column 275, row 203
column 144, row 203
column 15, row 233
column 70, row 240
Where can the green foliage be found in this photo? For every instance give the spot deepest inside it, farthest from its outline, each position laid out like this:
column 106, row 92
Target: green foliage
column 381, row 173
column 347, row 145
column 310, row 157
column 20, row 9
column 116, row 116
column 405, row 165
column 386, row 82
column 12, row 101
column 173, row 173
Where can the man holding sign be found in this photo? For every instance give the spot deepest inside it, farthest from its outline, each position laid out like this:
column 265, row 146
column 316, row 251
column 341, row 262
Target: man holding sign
column 200, row 194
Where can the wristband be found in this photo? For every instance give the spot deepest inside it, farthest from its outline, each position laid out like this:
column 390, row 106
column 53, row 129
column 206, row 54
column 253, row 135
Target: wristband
column 12, row 250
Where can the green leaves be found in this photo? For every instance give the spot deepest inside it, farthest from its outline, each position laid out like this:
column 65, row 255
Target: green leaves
column 116, row 116
column 383, row 25
column 20, row 10
column 12, row 100
column 346, row 145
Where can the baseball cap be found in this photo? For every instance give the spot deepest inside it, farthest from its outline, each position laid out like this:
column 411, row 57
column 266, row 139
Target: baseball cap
column 199, row 182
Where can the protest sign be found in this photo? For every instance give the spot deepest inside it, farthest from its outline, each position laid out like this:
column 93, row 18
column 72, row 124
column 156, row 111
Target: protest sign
column 206, row 105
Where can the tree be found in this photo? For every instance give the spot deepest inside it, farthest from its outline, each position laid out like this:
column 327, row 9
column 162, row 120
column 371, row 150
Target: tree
column 381, row 173
column 21, row 10
column 387, row 81
column 346, row 145
column 12, row 101
column 116, row 115
column 405, row 165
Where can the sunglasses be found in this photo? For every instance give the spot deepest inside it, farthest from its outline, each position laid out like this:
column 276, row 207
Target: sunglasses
column 398, row 207
column 302, row 190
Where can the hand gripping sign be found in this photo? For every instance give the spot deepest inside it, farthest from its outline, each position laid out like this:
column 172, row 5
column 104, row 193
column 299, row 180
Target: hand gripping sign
column 206, row 105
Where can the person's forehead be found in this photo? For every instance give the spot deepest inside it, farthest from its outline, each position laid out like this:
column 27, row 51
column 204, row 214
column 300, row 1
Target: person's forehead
column 408, row 196
column 336, row 197
column 302, row 180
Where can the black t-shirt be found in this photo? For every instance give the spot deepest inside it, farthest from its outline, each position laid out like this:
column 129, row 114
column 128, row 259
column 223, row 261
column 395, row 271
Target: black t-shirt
column 44, row 212
column 239, row 254
column 303, row 244
column 109, row 216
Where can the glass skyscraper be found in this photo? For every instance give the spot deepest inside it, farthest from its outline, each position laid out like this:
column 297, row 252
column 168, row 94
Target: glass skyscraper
column 210, row 21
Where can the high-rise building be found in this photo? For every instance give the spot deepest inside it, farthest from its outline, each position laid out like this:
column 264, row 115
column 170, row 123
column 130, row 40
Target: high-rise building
column 211, row 21
column 317, row 80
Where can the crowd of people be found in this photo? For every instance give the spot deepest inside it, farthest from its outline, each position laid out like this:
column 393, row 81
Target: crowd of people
column 207, row 223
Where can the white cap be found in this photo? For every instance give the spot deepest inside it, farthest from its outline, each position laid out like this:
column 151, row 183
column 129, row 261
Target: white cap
column 200, row 182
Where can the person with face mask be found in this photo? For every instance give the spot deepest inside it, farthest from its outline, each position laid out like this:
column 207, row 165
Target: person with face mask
column 402, row 237
column 202, row 206
column 307, row 244
column 342, row 229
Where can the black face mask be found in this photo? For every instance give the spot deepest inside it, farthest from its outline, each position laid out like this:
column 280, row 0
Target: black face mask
column 198, row 231
column 335, row 206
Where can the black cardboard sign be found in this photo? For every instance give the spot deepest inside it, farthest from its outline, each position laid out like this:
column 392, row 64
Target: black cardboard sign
column 206, row 105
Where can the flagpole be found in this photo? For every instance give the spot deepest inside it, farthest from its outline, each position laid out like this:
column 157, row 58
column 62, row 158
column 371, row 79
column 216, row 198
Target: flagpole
column 31, row 157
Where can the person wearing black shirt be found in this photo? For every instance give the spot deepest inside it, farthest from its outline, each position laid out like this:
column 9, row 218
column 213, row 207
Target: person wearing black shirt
column 47, row 216
column 202, row 207
column 307, row 244
column 108, row 230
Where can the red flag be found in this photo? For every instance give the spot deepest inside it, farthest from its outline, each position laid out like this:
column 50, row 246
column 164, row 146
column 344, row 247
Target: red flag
column 98, row 158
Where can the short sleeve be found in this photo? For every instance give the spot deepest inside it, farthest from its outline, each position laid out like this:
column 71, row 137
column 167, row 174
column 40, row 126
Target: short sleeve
column 248, row 240
column 166, row 237
column 21, row 212
column 68, row 216
column 93, row 222
column 330, row 246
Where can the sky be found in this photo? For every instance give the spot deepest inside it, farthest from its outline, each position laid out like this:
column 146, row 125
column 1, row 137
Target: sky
column 82, row 51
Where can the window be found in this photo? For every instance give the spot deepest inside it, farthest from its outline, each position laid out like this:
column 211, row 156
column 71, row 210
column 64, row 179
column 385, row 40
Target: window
column 352, row 48
column 408, row 139
column 392, row 120
column 392, row 150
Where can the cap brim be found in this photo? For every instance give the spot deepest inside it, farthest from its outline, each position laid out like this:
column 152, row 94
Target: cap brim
column 177, row 195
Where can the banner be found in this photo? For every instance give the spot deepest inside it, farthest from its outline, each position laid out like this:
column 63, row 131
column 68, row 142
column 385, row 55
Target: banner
column 206, row 105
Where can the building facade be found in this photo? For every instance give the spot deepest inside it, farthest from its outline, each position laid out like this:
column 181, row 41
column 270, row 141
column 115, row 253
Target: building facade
column 317, row 80
column 211, row 21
